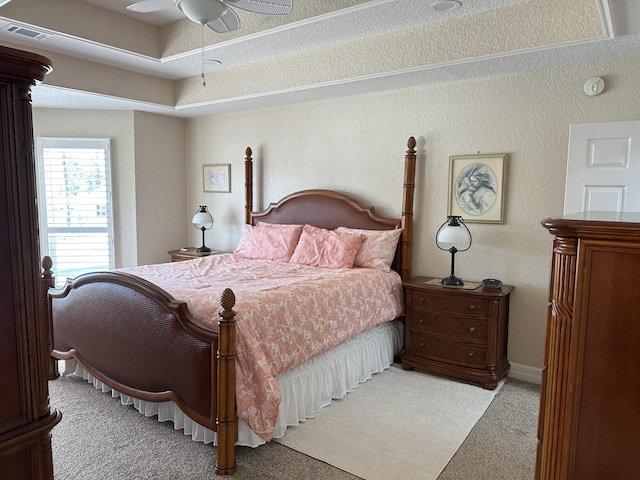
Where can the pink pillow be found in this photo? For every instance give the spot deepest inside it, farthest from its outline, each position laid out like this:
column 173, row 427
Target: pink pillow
column 245, row 237
column 272, row 241
column 378, row 247
column 326, row 248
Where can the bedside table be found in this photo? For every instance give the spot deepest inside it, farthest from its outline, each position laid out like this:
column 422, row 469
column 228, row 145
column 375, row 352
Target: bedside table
column 180, row 255
column 456, row 332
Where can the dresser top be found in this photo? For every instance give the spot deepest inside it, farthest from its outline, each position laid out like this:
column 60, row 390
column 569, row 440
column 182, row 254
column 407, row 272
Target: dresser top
column 623, row 226
column 625, row 217
column 423, row 283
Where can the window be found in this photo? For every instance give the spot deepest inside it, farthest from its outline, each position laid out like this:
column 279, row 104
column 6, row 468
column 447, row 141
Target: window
column 74, row 202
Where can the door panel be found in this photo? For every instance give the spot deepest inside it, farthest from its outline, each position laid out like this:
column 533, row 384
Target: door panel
column 603, row 167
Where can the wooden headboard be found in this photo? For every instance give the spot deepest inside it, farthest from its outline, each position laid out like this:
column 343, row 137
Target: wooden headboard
column 324, row 209
column 330, row 209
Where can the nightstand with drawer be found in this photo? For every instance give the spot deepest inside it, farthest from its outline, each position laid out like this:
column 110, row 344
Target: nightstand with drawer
column 457, row 332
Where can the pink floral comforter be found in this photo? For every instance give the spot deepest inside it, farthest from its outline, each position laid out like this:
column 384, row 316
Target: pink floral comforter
column 286, row 314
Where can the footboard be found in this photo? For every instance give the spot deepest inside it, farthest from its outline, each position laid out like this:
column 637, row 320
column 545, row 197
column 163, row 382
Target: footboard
column 139, row 340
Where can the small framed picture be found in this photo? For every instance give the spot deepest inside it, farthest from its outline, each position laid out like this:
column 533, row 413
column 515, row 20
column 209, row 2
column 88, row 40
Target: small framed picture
column 477, row 186
column 217, row 178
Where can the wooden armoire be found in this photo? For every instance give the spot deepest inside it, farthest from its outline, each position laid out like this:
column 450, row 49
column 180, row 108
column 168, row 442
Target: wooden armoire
column 589, row 424
column 26, row 419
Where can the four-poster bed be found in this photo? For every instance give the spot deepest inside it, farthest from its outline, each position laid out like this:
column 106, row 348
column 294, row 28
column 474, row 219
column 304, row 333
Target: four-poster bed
column 130, row 334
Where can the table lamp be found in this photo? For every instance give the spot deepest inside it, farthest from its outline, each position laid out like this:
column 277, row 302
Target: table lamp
column 203, row 220
column 454, row 234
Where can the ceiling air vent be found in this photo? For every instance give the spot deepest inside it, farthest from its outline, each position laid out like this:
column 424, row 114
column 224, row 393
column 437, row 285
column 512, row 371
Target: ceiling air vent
column 27, row 32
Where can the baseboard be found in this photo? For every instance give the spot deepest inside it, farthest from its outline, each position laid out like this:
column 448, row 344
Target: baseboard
column 525, row 373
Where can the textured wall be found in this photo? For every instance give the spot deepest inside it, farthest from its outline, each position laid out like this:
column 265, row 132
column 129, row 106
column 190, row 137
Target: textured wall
column 160, row 194
column 356, row 145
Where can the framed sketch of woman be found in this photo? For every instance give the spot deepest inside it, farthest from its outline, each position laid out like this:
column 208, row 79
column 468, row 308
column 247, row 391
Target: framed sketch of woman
column 476, row 187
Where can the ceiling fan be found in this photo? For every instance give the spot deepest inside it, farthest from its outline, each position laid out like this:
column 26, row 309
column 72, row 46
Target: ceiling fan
column 215, row 14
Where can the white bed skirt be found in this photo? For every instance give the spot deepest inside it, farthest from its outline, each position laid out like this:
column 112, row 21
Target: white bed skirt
column 304, row 389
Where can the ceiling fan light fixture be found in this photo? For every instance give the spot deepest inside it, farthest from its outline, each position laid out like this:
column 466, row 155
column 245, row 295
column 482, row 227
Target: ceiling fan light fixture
column 445, row 5
column 202, row 11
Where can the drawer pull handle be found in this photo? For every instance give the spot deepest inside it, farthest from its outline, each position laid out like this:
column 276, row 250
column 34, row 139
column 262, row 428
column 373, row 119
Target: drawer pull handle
column 421, row 320
column 421, row 299
column 472, row 307
column 472, row 329
column 471, row 354
column 422, row 344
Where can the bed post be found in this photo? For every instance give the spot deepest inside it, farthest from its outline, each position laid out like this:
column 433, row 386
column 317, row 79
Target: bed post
column 226, row 418
column 248, row 185
column 47, row 280
column 407, row 208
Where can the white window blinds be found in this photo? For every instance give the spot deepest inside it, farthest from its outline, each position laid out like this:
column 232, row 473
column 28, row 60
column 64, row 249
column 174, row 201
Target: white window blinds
column 74, row 202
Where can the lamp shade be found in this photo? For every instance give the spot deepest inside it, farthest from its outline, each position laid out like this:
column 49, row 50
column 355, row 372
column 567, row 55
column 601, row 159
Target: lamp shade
column 203, row 218
column 456, row 234
column 202, row 11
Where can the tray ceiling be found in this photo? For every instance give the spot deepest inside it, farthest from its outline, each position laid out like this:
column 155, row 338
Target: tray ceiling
column 107, row 57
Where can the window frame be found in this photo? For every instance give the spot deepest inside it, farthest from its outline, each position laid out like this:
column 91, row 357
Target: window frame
column 71, row 143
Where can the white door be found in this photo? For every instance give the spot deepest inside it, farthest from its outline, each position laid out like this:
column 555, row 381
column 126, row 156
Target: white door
column 603, row 168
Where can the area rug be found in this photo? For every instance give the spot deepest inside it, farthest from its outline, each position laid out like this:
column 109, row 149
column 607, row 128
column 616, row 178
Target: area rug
column 398, row 425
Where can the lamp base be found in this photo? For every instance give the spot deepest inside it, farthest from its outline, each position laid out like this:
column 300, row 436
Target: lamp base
column 203, row 249
column 451, row 280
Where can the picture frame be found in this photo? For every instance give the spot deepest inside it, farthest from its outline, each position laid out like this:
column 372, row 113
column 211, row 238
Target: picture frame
column 477, row 186
column 217, row 177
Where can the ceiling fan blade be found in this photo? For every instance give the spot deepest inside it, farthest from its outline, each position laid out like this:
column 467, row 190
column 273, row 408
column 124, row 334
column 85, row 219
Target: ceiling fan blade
column 228, row 22
column 268, row 7
column 148, row 6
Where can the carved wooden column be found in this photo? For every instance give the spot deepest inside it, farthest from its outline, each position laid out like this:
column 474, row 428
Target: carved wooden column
column 26, row 419
column 226, row 418
column 555, row 375
column 248, row 185
column 48, row 281
column 407, row 208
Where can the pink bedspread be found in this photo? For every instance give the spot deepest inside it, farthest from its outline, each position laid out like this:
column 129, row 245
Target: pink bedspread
column 286, row 314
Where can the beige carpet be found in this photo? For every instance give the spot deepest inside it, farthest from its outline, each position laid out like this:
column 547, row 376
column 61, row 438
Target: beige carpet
column 398, row 425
